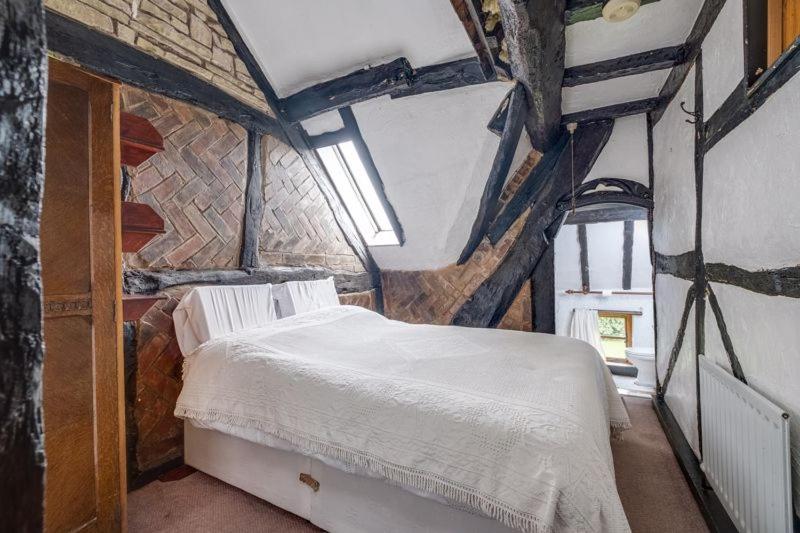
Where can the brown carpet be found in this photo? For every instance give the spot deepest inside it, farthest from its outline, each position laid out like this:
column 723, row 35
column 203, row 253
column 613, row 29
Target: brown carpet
column 653, row 491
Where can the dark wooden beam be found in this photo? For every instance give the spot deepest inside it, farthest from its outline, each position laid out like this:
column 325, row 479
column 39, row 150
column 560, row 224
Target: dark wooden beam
column 329, row 138
column 583, row 245
column 676, row 346
column 487, row 209
column 358, row 86
column 544, row 293
column 151, row 281
column 733, row 359
column 465, row 10
column 700, row 282
column 707, row 500
column 534, row 35
column 441, row 77
column 253, row 203
column 615, row 213
column 584, row 10
column 740, row 105
column 23, row 71
column 111, row 57
column 613, row 111
column 557, row 164
column 351, row 125
column 627, row 254
column 487, row 306
column 298, row 139
column 702, row 25
column 659, row 59
column 498, row 120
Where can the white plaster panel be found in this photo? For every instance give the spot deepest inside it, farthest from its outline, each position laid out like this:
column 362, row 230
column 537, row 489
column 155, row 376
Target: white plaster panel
column 663, row 23
column 567, row 259
column 433, row 152
column 303, row 42
column 766, row 337
column 681, row 394
column 641, row 270
column 614, row 91
column 751, row 188
column 625, row 154
column 605, row 255
column 723, row 56
column 642, row 324
column 674, row 187
column 330, row 121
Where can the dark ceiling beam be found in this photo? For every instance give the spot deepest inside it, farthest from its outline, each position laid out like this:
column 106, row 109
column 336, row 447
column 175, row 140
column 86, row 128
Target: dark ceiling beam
column 441, row 77
column 702, row 25
column 659, row 59
column 614, row 213
column 487, row 209
column 358, row 86
column 488, row 305
column 534, row 36
column 299, row 140
column 111, row 57
column 583, row 10
column 465, row 10
column 613, row 111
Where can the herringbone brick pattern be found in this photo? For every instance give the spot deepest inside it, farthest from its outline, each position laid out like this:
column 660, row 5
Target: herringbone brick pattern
column 434, row 296
column 298, row 227
column 195, row 184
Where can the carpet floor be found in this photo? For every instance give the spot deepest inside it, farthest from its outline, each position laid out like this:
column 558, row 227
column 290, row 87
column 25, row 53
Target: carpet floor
column 653, row 490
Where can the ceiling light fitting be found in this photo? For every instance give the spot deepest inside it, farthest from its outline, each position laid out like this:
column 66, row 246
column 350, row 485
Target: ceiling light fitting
column 619, row 10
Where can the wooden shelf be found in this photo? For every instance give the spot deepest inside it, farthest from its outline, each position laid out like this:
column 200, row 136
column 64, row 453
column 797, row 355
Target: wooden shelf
column 140, row 223
column 139, row 140
column 134, row 306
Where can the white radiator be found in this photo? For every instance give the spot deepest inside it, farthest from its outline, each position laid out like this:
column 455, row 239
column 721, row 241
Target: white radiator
column 745, row 452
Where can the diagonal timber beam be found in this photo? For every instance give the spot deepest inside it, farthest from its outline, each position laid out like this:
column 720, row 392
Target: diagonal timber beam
column 465, row 10
column 487, row 306
column 487, row 209
column 534, row 35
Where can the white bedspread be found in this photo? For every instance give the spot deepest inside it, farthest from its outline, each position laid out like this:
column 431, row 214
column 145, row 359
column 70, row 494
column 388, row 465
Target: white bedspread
column 508, row 424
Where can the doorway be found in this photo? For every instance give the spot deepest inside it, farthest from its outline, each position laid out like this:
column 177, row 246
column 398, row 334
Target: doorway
column 604, row 291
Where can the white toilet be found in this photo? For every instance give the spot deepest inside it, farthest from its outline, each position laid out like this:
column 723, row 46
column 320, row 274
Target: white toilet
column 644, row 359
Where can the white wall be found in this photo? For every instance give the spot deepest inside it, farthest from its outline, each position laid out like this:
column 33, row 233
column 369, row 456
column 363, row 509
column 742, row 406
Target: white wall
column 750, row 220
column 625, row 153
column 604, row 242
column 434, row 153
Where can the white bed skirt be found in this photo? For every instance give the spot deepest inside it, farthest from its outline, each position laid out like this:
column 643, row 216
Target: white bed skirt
column 345, row 502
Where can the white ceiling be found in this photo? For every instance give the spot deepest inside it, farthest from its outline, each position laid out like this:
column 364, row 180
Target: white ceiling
column 302, row 42
column 433, row 151
column 609, row 92
column 656, row 25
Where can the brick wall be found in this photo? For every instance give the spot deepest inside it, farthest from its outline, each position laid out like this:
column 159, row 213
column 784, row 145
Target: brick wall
column 183, row 32
column 196, row 184
column 434, row 296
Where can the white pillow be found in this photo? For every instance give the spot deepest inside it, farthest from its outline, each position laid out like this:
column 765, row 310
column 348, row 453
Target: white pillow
column 295, row 297
column 205, row 313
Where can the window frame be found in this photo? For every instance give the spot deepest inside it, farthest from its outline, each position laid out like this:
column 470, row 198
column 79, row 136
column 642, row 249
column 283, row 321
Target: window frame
column 628, row 317
column 350, row 132
column 760, row 48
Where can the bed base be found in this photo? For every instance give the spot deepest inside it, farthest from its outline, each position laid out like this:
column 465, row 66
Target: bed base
column 343, row 502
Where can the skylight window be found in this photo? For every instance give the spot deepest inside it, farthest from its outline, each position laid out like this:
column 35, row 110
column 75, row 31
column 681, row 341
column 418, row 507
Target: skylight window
column 358, row 193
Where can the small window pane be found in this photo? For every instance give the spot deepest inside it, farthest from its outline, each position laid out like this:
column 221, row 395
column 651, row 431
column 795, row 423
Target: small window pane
column 351, row 180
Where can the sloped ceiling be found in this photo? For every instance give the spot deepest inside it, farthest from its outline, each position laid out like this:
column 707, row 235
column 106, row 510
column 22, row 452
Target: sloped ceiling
column 433, row 151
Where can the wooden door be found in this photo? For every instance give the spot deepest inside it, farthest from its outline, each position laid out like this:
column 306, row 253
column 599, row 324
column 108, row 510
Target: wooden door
column 81, row 276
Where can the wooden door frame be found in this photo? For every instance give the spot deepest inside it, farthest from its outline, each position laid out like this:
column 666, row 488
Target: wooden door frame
column 106, row 283
column 22, row 459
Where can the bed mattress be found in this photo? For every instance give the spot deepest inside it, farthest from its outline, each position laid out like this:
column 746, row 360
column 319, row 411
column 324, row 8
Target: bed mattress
column 514, row 426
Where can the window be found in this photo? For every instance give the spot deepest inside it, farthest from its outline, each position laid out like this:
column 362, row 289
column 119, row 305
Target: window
column 772, row 26
column 616, row 331
column 358, row 193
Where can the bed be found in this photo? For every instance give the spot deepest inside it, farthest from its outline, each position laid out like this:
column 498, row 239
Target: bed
column 399, row 427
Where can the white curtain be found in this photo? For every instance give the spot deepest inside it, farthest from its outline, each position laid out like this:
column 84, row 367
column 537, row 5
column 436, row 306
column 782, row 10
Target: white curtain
column 586, row 327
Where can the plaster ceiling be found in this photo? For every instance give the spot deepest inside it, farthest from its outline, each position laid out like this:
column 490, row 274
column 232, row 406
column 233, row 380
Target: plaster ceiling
column 303, row 42
column 609, row 92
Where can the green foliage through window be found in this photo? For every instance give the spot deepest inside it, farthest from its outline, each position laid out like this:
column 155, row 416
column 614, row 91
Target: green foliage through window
column 612, row 326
